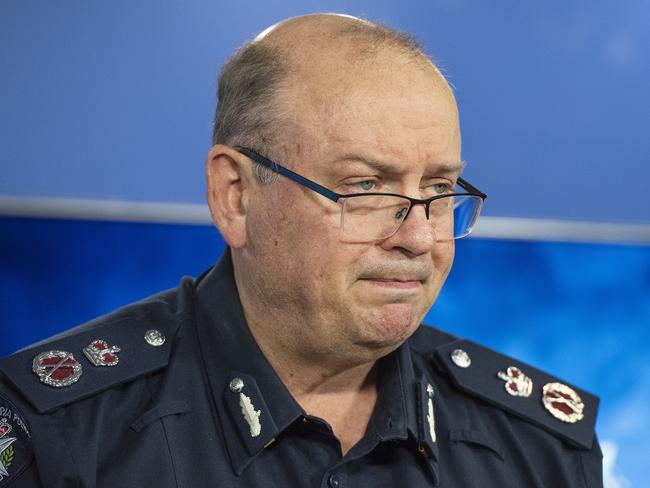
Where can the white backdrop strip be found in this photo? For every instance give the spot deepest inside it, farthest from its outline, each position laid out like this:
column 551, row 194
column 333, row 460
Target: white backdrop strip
column 190, row 213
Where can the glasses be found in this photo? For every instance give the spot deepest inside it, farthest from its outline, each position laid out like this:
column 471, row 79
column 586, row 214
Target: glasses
column 370, row 216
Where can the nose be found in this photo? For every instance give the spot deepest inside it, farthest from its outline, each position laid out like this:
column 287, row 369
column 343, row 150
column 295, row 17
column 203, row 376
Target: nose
column 416, row 234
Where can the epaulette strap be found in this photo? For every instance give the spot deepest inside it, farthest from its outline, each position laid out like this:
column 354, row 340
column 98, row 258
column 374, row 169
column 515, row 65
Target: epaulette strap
column 564, row 410
column 67, row 370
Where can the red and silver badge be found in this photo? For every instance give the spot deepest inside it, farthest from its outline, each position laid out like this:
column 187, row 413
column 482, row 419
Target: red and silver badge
column 100, row 354
column 517, row 383
column 563, row 402
column 57, row 368
column 5, row 428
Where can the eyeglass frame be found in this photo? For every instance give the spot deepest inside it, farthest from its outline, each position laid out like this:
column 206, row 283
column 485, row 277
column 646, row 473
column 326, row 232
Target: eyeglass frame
column 335, row 197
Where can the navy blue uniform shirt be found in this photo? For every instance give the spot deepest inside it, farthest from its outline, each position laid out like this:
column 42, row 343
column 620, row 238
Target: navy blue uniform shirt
column 174, row 392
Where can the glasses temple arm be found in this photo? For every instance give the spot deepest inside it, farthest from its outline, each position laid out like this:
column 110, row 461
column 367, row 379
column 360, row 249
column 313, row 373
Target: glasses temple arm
column 470, row 188
column 286, row 172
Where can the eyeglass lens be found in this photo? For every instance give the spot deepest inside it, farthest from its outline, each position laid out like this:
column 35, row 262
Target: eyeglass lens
column 373, row 217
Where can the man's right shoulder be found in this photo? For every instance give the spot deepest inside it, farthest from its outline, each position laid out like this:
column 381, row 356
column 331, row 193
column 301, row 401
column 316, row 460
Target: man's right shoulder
column 132, row 342
column 70, row 382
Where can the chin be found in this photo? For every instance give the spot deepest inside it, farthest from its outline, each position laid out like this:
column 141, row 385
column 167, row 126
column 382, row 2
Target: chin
column 390, row 326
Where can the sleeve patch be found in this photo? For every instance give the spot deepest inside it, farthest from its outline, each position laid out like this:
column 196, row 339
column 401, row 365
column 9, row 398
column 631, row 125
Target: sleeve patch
column 15, row 442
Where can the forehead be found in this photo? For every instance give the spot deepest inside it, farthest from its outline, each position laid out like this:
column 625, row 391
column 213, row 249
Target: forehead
column 387, row 109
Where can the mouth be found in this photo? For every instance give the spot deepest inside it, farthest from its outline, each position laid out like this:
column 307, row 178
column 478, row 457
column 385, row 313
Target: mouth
column 396, row 279
column 394, row 283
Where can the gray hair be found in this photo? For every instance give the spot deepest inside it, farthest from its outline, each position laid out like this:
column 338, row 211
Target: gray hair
column 246, row 96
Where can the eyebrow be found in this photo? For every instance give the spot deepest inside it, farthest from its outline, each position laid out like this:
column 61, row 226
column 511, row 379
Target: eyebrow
column 451, row 167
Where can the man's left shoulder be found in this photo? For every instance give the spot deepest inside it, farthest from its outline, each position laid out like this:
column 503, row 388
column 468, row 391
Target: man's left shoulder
column 520, row 389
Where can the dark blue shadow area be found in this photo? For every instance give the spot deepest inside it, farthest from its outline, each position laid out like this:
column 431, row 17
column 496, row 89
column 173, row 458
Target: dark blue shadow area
column 580, row 311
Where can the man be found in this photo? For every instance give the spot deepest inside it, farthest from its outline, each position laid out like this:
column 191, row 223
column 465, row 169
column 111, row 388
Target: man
column 299, row 360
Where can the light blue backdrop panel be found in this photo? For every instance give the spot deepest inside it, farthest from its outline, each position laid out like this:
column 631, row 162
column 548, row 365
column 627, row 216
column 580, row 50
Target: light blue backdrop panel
column 99, row 99
column 576, row 310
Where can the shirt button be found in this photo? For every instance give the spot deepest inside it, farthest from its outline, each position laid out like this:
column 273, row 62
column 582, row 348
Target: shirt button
column 333, row 481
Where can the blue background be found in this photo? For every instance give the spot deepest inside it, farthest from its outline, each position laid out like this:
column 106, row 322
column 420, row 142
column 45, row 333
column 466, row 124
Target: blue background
column 100, row 98
column 114, row 100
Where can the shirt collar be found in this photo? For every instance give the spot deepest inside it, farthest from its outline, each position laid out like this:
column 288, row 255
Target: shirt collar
column 258, row 407
column 230, row 353
column 402, row 409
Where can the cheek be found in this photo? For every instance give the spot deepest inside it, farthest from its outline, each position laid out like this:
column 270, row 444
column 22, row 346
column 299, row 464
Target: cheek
column 448, row 253
column 299, row 236
column 443, row 258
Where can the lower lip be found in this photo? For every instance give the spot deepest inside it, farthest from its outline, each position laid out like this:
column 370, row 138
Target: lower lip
column 394, row 284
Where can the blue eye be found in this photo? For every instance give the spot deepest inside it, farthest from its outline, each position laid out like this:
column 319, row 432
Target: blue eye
column 366, row 185
column 441, row 188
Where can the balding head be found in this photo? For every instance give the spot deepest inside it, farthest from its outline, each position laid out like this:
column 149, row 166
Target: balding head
column 356, row 108
column 311, row 38
column 255, row 85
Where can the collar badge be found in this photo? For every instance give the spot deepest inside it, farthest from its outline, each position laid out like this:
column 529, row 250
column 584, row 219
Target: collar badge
column 563, row 402
column 517, row 383
column 99, row 354
column 430, row 418
column 251, row 415
column 57, row 368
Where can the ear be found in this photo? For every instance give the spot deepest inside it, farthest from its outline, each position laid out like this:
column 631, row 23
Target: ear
column 226, row 193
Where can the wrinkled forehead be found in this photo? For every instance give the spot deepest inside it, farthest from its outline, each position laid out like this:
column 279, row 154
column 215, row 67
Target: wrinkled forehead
column 390, row 103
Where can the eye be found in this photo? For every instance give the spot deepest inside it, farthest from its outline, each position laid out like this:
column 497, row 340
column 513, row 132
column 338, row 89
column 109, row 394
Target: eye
column 440, row 188
column 366, row 185
column 357, row 185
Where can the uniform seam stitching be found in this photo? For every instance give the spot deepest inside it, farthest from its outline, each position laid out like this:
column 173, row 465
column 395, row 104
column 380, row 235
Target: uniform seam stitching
column 212, row 395
column 169, row 450
column 164, row 428
column 582, row 469
column 70, row 453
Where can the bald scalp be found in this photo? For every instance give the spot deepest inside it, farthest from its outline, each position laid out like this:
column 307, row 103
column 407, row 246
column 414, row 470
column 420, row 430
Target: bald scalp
column 254, row 88
column 312, row 38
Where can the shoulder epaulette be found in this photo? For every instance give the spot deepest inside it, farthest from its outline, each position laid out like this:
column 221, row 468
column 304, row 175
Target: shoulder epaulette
column 562, row 409
column 84, row 363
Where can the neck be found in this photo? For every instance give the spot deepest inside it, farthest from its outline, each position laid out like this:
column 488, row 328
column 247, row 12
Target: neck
column 343, row 394
column 308, row 372
column 335, row 385
column 345, row 397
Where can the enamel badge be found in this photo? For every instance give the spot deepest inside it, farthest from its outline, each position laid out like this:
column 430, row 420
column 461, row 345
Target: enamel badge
column 563, row 402
column 57, row 368
column 517, row 383
column 99, row 354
